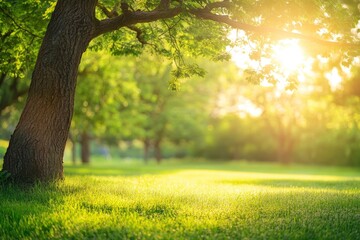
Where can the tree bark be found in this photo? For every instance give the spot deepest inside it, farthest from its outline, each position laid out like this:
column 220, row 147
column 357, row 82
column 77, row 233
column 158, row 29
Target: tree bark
column 85, row 148
column 36, row 148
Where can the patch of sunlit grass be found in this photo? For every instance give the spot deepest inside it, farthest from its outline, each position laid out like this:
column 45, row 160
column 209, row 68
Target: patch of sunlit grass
column 186, row 201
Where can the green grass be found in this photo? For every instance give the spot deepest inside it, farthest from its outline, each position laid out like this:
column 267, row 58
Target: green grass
column 236, row 200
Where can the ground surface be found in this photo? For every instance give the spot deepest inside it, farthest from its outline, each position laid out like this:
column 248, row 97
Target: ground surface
column 128, row 200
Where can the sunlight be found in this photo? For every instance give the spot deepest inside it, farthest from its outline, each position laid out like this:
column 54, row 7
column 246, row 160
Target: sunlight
column 285, row 58
column 240, row 105
column 289, row 55
column 245, row 107
column 334, row 79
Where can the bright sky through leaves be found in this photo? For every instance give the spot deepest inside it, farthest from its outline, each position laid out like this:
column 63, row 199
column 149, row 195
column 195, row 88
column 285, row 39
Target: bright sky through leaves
column 287, row 61
column 286, row 58
column 289, row 55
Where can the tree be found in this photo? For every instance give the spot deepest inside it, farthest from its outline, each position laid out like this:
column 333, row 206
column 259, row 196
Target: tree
column 98, row 106
column 163, row 114
column 37, row 144
column 154, row 99
column 282, row 113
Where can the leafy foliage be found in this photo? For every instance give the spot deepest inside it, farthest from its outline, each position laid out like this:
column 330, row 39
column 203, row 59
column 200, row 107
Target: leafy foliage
column 97, row 105
column 22, row 28
column 23, row 25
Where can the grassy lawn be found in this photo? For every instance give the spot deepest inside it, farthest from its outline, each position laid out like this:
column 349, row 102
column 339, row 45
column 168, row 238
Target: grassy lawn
column 236, row 200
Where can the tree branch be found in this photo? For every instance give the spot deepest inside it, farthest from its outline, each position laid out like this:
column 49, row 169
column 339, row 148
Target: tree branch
column 206, row 14
column 130, row 18
column 124, row 8
column 139, row 34
column 163, row 11
column 109, row 14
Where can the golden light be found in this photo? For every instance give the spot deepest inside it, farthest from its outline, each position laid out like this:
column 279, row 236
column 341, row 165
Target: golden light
column 334, row 79
column 289, row 55
column 246, row 108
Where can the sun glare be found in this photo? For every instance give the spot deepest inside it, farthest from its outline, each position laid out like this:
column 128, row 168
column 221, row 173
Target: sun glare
column 246, row 107
column 334, row 79
column 289, row 55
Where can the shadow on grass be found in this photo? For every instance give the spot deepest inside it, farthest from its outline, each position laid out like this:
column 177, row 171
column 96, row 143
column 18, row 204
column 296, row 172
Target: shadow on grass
column 22, row 209
column 17, row 202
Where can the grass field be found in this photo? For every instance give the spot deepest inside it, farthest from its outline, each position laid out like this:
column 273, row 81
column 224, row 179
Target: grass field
column 236, row 200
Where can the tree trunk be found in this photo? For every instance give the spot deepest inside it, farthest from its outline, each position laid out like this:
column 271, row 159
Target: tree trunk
column 36, row 148
column 85, row 148
column 73, row 152
column 285, row 149
column 73, row 148
column 146, row 150
column 157, row 149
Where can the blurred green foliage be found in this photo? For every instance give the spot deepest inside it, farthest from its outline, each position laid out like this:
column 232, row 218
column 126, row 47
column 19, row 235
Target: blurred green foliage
column 206, row 119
